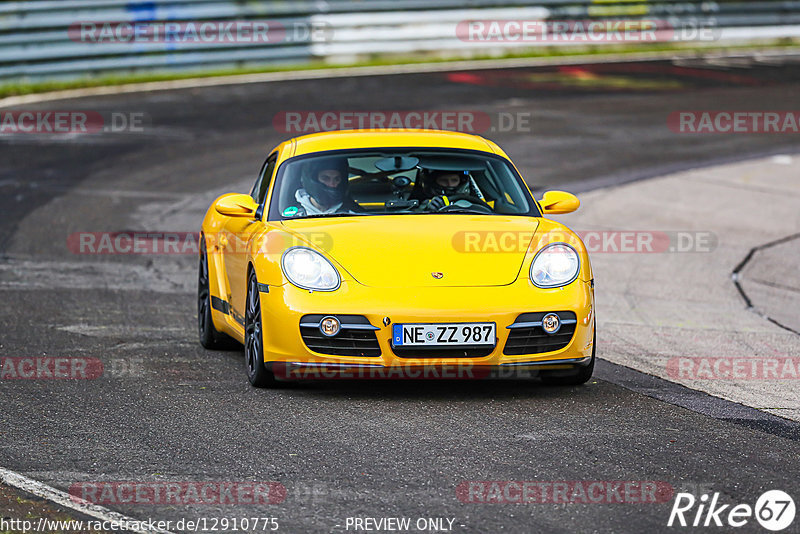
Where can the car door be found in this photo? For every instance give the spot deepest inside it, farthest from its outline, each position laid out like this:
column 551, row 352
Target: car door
column 238, row 231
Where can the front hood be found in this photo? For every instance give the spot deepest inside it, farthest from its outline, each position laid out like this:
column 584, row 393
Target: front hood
column 406, row 250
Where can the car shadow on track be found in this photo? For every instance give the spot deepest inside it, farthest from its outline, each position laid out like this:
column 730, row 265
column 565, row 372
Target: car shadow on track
column 437, row 389
column 433, row 388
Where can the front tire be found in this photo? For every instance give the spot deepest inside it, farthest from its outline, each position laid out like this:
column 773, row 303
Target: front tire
column 257, row 373
column 580, row 376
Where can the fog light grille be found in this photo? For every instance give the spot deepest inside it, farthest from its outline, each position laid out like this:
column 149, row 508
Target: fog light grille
column 527, row 335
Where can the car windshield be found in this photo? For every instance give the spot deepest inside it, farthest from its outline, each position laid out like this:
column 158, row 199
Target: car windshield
column 391, row 181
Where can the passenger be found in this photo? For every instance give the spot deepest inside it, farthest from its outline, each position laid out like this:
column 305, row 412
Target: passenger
column 324, row 188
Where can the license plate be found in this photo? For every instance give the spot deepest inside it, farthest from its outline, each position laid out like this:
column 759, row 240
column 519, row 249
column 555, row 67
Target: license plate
column 445, row 334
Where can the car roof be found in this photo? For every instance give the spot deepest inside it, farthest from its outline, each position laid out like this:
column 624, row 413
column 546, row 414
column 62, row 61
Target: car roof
column 348, row 139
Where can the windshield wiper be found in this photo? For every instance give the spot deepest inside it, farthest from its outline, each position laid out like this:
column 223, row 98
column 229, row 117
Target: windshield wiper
column 466, row 210
column 317, row 215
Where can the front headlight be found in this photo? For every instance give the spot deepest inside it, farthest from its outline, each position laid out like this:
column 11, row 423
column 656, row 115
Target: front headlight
column 555, row 265
column 308, row 269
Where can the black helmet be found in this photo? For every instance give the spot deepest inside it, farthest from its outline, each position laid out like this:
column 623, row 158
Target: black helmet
column 324, row 195
column 433, row 189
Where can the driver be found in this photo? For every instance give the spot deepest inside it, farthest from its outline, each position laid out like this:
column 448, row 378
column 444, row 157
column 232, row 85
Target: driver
column 439, row 185
column 324, row 188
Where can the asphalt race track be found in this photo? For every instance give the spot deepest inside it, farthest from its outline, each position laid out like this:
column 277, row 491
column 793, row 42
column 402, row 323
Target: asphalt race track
column 166, row 410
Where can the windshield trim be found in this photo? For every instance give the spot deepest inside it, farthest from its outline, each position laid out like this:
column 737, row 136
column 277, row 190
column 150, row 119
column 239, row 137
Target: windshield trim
column 275, row 215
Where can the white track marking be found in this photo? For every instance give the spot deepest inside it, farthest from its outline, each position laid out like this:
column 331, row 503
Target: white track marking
column 66, row 500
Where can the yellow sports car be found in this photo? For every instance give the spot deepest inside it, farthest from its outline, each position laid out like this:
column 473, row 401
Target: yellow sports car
column 413, row 253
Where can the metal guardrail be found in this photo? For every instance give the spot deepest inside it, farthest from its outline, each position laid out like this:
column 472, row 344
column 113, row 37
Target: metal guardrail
column 55, row 39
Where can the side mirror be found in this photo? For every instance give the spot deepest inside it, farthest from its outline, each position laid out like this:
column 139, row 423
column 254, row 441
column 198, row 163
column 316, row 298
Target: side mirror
column 555, row 202
column 236, row 205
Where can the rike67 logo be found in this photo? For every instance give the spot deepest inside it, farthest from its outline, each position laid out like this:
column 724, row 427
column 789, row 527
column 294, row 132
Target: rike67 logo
column 774, row 510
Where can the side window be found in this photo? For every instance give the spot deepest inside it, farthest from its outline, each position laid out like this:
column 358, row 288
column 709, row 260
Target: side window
column 259, row 192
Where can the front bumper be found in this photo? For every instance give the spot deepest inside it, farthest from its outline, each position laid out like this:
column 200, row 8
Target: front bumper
column 430, row 370
column 282, row 308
